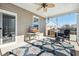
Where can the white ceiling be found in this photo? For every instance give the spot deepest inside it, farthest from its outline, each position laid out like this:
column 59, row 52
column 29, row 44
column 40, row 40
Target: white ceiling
column 58, row 9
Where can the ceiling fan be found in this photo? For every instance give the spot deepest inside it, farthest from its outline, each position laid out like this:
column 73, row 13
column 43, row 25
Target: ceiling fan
column 44, row 6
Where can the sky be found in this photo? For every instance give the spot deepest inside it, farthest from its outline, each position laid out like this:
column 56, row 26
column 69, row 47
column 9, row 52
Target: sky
column 65, row 19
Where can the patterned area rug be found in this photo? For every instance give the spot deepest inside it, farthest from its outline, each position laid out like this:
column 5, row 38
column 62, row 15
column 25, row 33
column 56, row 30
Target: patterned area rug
column 45, row 48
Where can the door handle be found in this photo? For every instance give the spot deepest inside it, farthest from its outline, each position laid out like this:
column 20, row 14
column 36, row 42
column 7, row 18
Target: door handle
column 0, row 28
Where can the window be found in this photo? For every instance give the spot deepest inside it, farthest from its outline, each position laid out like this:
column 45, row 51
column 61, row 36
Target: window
column 35, row 23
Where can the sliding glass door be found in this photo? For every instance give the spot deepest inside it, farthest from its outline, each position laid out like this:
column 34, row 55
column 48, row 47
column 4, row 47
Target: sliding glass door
column 0, row 28
column 7, row 28
column 78, row 28
column 69, row 21
column 65, row 21
column 8, row 32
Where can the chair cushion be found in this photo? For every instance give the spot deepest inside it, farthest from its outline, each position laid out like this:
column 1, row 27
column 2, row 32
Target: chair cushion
column 67, row 45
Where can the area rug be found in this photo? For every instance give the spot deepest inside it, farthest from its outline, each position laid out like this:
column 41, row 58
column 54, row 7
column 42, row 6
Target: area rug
column 44, row 48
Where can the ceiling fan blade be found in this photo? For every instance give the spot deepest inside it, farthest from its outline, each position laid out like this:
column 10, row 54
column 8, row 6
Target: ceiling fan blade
column 50, row 5
column 45, row 9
